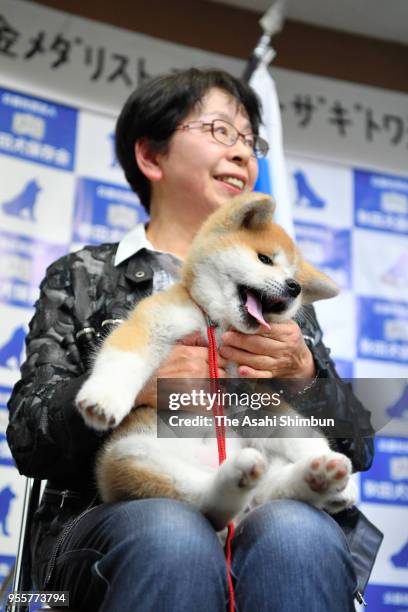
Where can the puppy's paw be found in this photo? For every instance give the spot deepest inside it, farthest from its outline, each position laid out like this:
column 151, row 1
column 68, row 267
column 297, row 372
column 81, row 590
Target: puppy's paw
column 338, row 501
column 101, row 404
column 328, row 473
column 250, row 467
column 109, row 393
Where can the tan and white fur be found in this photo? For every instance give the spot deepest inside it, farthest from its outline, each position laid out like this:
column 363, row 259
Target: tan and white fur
column 222, row 276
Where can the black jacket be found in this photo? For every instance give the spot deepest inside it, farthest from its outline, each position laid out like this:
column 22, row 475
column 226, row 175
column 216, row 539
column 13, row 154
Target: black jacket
column 82, row 292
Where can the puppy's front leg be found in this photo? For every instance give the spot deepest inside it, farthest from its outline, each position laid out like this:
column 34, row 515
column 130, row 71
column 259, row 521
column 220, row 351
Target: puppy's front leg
column 131, row 353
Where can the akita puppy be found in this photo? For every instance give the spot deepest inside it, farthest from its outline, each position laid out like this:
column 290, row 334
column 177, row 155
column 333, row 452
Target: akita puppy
column 242, row 271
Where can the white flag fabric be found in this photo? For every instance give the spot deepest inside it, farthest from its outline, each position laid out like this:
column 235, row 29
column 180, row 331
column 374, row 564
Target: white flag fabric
column 273, row 176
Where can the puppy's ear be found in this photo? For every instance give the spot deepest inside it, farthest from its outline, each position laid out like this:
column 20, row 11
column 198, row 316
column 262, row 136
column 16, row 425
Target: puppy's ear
column 315, row 284
column 251, row 211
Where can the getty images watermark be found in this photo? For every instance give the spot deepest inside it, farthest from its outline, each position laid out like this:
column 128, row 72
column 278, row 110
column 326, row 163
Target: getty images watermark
column 279, row 408
column 232, row 402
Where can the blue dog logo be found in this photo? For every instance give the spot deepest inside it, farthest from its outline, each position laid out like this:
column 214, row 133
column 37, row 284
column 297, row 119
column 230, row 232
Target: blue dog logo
column 12, row 350
column 6, row 497
column 401, row 405
column 397, row 274
column 306, row 195
column 400, row 559
column 22, row 205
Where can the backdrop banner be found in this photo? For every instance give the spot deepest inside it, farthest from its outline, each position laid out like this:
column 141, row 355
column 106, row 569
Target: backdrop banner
column 62, row 82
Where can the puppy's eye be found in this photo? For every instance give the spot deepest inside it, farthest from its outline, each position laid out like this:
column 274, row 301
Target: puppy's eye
column 265, row 259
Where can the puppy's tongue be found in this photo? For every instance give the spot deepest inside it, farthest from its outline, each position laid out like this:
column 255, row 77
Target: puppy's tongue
column 253, row 306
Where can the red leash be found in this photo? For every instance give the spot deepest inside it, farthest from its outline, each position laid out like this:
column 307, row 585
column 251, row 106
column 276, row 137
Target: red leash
column 222, row 455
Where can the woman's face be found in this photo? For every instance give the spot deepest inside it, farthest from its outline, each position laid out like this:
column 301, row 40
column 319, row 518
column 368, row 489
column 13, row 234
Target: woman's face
column 200, row 173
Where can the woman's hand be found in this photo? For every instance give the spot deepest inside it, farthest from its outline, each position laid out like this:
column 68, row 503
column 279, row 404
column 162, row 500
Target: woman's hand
column 188, row 359
column 280, row 352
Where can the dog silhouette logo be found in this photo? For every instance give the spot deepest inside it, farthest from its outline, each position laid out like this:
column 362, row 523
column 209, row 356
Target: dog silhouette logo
column 23, row 204
column 306, row 196
column 400, row 559
column 6, row 497
column 11, row 351
column 398, row 409
column 5, row 456
column 397, row 274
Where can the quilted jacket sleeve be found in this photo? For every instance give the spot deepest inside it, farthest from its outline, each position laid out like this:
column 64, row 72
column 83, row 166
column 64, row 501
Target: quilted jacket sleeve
column 332, row 396
column 47, row 437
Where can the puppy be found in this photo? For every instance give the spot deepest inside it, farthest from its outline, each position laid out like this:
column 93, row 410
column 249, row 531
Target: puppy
column 242, row 271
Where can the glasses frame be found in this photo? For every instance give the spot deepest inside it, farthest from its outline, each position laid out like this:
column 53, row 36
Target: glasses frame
column 257, row 151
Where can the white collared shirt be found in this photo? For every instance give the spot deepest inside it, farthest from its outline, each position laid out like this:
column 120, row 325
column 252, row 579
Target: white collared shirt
column 166, row 266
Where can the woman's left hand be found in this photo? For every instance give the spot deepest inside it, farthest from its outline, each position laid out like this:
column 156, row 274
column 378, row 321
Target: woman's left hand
column 280, row 352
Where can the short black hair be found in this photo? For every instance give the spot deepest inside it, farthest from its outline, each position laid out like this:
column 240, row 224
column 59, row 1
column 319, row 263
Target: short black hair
column 159, row 105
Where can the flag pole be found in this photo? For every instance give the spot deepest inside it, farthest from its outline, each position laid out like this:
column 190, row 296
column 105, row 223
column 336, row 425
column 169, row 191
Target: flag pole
column 272, row 172
column 271, row 23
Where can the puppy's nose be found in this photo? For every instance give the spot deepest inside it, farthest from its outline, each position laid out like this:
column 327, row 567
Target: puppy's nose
column 293, row 287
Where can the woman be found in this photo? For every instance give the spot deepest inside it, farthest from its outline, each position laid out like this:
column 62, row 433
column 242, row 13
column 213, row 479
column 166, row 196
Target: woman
column 187, row 143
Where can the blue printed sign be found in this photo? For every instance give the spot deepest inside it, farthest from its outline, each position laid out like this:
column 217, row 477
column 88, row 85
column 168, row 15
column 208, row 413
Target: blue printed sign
column 23, row 203
column 23, row 262
column 6, row 563
column 11, row 351
column 114, row 160
column 5, row 454
column 104, row 212
column 400, row 557
column 344, row 368
column 307, row 195
column 381, row 201
column 382, row 330
column 7, row 497
column 387, row 480
column 37, row 130
column 399, row 408
column 382, row 598
column 4, row 396
column 328, row 249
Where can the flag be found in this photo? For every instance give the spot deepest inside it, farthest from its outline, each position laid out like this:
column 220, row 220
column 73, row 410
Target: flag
column 273, row 176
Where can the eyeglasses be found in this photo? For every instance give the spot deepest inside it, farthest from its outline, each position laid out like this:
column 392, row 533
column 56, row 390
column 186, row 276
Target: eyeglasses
column 227, row 134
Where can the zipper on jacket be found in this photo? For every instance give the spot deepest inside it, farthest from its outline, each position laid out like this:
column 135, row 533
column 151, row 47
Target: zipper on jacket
column 66, row 494
column 360, row 599
column 63, row 536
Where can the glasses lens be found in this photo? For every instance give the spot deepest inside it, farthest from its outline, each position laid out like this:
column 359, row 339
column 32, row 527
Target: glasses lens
column 227, row 134
column 261, row 147
column 224, row 132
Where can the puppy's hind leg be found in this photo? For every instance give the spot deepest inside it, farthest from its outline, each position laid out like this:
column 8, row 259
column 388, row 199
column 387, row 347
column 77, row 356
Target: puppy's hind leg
column 233, row 487
column 135, row 464
column 140, row 466
column 220, row 495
